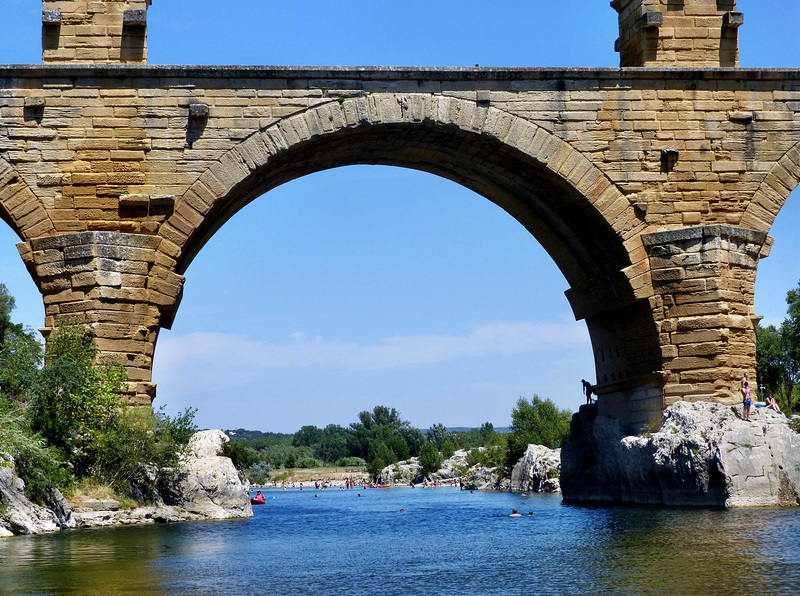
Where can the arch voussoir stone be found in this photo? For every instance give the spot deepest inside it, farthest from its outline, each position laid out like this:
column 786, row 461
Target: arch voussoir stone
column 774, row 190
column 20, row 206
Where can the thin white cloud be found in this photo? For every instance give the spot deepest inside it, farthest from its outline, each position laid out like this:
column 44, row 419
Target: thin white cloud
column 203, row 351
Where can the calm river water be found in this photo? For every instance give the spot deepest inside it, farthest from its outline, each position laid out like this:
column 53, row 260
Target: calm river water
column 446, row 542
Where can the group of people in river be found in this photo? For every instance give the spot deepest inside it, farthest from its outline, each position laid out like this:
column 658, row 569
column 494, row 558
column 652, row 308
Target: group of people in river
column 323, row 484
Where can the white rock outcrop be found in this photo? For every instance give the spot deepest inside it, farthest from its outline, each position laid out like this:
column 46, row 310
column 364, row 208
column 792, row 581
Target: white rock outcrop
column 704, row 454
column 538, row 470
column 479, row 477
column 206, row 484
column 19, row 515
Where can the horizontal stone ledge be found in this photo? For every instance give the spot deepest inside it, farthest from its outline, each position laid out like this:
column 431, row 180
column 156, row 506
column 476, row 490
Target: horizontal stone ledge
column 95, row 238
column 453, row 73
column 700, row 232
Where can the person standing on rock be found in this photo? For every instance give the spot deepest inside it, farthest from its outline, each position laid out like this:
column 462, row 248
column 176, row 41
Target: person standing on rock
column 587, row 390
column 746, row 401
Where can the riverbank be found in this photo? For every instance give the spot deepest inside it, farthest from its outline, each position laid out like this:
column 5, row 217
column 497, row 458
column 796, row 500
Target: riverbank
column 206, row 486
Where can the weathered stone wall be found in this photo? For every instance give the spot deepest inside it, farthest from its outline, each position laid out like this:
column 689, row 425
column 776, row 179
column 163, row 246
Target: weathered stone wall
column 592, row 162
column 653, row 190
column 705, row 279
column 700, row 33
column 94, row 31
column 81, row 139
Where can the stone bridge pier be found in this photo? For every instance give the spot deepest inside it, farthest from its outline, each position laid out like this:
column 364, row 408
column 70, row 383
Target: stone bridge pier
column 653, row 189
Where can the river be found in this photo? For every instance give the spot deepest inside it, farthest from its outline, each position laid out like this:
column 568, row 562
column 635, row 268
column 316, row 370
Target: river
column 445, row 541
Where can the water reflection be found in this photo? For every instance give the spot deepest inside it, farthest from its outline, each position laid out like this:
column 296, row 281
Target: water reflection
column 446, row 540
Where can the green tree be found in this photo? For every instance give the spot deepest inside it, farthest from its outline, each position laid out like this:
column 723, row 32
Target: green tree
column 430, row 459
column 72, row 398
column 485, row 432
column 7, row 304
column 307, row 436
column 448, row 447
column 778, row 355
column 382, row 457
column 437, row 434
column 537, row 421
column 381, row 426
column 331, row 444
column 413, row 437
column 774, row 366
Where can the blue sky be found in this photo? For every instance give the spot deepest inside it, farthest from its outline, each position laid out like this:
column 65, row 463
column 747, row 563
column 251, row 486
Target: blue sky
column 374, row 285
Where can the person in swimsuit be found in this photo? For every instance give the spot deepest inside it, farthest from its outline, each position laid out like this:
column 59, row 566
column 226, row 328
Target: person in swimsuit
column 746, row 401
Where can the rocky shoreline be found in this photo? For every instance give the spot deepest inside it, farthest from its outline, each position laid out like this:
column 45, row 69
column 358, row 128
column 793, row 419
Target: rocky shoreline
column 206, row 486
column 537, row 471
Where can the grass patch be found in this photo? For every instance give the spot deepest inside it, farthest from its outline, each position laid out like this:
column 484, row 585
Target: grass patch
column 88, row 489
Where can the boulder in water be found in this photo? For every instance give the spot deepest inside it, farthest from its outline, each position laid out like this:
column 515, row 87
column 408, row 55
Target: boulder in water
column 538, row 470
column 206, row 484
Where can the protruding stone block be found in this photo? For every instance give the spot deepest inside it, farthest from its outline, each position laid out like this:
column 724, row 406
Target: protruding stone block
column 134, row 18
column 670, row 155
column 198, row 111
column 51, row 17
column 732, row 20
column 134, row 201
column 35, row 102
column 652, row 19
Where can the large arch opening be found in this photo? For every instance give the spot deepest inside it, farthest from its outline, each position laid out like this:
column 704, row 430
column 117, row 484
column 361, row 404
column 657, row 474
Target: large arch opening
column 573, row 211
column 392, row 287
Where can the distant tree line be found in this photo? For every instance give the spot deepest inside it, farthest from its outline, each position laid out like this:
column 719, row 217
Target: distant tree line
column 380, row 438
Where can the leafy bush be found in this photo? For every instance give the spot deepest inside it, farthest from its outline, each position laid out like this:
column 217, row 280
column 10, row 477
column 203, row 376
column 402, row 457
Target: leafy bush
column 72, row 399
column 242, row 456
column 259, row 472
column 474, row 457
column 137, row 436
column 37, row 464
column 430, row 459
column 537, row 422
column 448, row 448
column 307, row 462
column 490, row 457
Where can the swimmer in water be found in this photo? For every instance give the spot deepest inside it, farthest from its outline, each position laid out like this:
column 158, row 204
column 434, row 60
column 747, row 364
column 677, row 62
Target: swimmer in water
column 515, row 513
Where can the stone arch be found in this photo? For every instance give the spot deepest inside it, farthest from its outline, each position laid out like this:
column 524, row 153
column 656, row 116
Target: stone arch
column 428, row 133
column 20, row 207
column 578, row 215
column 774, row 190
